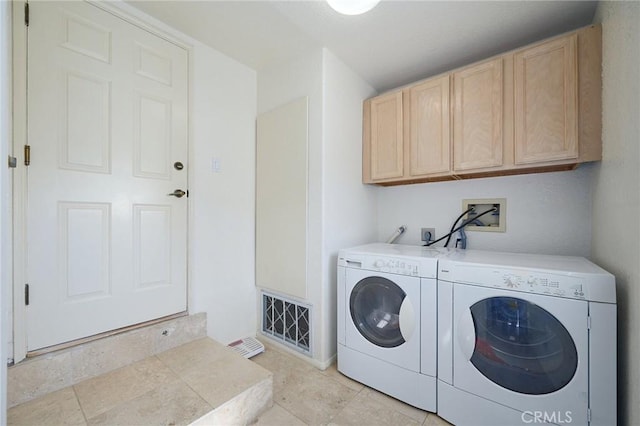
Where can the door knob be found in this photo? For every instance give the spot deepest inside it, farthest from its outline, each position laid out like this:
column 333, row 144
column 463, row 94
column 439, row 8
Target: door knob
column 178, row 193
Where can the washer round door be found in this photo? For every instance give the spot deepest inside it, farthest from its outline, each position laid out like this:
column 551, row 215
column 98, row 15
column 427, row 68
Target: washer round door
column 522, row 347
column 525, row 351
column 375, row 306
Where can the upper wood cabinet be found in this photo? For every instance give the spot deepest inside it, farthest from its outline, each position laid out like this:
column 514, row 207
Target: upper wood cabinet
column 546, row 102
column 384, row 124
column 478, row 116
column 534, row 109
column 408, row 133
column 429, row 129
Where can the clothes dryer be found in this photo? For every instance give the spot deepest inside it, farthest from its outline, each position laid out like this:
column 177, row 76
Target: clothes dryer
column 387, row 332
column 525, row 339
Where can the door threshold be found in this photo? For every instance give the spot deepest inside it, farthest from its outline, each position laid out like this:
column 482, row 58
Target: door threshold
column 77, row 342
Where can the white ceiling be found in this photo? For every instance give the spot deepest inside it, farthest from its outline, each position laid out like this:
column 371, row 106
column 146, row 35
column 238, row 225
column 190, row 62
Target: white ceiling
column 396, row 43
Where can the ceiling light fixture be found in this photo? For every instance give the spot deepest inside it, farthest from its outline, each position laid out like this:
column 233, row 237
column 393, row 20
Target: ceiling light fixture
column 352, row 7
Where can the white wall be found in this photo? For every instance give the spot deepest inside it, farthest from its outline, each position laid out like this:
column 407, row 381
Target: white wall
column 341, row 209
column 222, row 239
column 349, row 207
column 546, row 213
column 277, row 86
column 616, row 197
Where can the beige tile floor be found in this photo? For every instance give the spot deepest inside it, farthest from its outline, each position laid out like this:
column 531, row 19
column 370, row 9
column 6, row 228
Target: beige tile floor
column 174, row 388
column 304, row 395
column 177, row 386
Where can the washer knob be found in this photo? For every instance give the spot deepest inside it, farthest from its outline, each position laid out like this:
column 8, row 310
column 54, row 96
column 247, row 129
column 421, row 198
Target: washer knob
column 510, row 282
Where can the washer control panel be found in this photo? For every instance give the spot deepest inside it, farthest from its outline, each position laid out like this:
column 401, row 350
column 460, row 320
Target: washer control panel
column 540, row 283
column 526, row 281
column 558, row 276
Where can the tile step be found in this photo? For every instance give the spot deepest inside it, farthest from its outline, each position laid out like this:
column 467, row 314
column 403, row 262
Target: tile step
column 200, row 382
column 41, row 375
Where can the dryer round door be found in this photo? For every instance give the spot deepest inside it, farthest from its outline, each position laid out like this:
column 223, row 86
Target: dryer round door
column 383, row 316
column 375, row 305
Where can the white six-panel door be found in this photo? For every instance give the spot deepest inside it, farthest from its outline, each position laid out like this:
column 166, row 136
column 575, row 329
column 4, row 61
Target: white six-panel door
column 107, row 120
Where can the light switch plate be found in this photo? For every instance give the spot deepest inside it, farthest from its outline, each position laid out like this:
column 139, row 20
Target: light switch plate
column 215, row 165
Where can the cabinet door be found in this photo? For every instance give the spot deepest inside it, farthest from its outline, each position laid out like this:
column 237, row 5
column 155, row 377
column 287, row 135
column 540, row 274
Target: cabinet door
column 387, row 145
column 546, row 116
column 429, row 127
column 478, row 116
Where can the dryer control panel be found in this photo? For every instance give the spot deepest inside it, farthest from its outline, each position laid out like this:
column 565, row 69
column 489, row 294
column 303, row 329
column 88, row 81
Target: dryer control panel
column 414, row 261
column 424, row 268
column 395, row 266
column 383, row 264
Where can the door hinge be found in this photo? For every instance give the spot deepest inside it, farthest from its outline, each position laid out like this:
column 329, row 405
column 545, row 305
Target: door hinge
column 26, row 294
column 26, row 14
column 588, row 322
column 589, row 415
column 27, row 155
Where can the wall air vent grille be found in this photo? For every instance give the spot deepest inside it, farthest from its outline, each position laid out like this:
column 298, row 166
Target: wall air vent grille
column 287, row 321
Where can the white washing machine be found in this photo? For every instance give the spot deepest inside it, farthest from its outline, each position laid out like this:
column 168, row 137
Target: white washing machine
column 525, row 339
column 387, row 331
